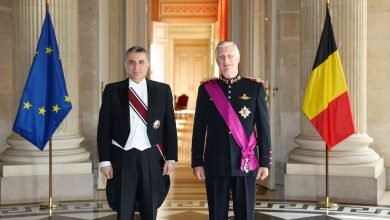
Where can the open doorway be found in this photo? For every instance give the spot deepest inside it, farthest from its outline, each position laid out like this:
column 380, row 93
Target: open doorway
column 182, row 30
column 183, row 57
column 191, row 66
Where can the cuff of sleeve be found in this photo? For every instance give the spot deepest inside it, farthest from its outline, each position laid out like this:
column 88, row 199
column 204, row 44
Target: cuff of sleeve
column 104, row 164
column 265, row 162
column 197, row 164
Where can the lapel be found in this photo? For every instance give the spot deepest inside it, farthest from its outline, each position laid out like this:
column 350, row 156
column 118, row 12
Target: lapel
column 152, row 94
column 124, row 100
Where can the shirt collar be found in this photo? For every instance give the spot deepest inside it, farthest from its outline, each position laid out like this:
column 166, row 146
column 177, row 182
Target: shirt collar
column 141, row 84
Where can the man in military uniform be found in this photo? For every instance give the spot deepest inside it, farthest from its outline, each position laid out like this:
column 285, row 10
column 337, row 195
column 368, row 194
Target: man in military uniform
column 231, row 145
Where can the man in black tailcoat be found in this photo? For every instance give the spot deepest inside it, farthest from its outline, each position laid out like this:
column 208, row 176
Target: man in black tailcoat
column 137, row 140
column 222, row 156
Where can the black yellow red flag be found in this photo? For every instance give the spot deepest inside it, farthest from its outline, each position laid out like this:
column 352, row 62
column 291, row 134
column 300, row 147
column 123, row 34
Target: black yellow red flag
column 326, row 102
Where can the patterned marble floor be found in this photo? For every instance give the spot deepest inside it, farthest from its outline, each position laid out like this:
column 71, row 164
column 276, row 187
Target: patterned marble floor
column 187, row 201
column 196, row 210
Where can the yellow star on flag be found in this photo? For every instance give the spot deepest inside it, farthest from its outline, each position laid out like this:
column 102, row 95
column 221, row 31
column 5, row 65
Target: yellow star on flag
column 42, row 111
column 27, row 105
column 49, row 50
column 67, row 99
column 56, row 108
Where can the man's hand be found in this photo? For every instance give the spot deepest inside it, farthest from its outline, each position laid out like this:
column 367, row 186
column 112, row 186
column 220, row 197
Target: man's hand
column 262, row 173
column 169, row 166
column 107, row 171
column 199, row 173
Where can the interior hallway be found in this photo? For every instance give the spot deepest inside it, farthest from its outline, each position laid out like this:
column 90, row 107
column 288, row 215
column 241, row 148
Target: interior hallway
column 278, row 40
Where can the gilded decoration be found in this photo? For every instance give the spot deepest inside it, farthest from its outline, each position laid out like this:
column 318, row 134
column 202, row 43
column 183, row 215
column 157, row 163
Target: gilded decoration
column 188, row 9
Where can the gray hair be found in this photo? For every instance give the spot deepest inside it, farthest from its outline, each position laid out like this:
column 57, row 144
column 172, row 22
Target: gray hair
column 225, row 44
column 137, row 49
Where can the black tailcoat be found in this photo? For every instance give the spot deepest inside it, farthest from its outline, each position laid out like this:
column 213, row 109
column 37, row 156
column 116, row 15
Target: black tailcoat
column 114, row 124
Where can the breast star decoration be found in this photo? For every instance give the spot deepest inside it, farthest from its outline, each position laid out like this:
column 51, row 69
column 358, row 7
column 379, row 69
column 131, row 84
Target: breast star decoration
column 244, row 112
column 156, row 124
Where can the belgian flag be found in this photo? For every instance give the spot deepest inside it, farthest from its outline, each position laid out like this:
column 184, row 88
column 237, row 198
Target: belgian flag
column 326, row 101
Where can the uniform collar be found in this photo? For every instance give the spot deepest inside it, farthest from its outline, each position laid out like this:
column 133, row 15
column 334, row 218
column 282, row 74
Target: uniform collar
column 230, row 81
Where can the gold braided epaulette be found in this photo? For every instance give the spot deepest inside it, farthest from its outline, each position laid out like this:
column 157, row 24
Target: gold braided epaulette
column 207, row 79
column 255, row 79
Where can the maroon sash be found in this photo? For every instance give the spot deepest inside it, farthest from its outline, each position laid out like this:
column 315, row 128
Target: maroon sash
column 141, row 110
column 138, row 106
column 248, row 160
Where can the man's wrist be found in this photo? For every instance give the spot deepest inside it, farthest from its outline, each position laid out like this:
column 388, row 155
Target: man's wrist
column 104, row 164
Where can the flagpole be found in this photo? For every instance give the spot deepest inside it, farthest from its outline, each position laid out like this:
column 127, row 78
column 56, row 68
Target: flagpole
column 51, row 205
column 50, row 159
column 327, row 203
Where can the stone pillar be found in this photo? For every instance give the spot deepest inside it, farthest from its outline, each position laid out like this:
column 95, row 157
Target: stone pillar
column 241, row 30
column 24, row 168
column 351, row 161
column 137, row 22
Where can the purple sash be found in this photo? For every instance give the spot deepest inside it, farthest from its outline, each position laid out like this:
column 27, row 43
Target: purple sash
column 248, row 160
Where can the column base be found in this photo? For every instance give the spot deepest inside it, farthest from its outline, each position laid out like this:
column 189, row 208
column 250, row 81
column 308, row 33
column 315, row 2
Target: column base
column 386, row 158
column 307, row 182
column 30, row 183
column 387, row 178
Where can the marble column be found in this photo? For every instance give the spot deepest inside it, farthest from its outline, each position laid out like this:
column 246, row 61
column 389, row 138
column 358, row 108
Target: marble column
column 351, row 161
column 25, row 168
column 241, row 30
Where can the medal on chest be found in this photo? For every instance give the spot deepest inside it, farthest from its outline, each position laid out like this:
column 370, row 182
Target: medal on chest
column 244, row 112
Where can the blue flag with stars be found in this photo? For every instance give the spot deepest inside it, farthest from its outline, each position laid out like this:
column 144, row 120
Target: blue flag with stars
column 45, row 101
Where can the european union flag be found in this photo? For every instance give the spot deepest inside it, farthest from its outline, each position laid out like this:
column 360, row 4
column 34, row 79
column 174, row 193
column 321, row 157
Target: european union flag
column 45, row 101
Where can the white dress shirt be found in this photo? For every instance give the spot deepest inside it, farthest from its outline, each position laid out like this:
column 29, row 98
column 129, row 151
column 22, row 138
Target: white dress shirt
column 138, row 137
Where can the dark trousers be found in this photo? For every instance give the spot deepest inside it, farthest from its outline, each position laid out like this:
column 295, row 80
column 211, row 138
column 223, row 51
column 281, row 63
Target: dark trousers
column 243, row 194
column 136, row 183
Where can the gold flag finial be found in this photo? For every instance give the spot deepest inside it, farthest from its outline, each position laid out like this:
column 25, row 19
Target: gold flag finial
column 327, row 3
column 47, row 4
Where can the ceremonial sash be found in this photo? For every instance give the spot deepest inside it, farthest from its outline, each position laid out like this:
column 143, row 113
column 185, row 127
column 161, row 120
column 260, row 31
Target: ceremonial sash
column 141, row 110
column 248, row 160
column 138, row 106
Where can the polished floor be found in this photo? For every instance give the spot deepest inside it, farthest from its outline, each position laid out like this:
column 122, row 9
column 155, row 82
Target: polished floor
column 187, row 201
column 196, row 210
